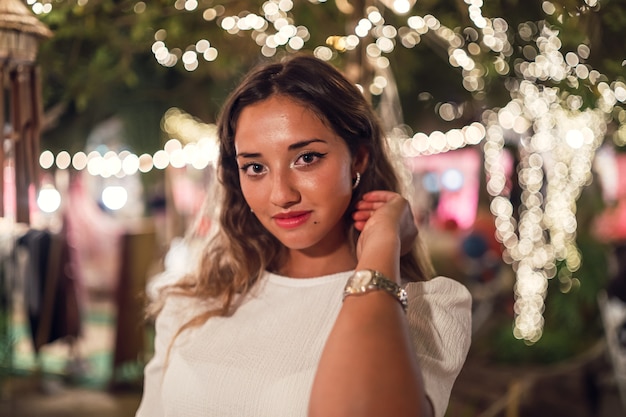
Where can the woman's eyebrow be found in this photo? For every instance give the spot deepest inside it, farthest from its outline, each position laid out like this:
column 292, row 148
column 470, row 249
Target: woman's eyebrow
column 248, row 155
column 293, row 146
column 304, row 143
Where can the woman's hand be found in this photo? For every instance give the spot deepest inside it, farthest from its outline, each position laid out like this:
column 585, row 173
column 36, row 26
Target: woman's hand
column 383, row 216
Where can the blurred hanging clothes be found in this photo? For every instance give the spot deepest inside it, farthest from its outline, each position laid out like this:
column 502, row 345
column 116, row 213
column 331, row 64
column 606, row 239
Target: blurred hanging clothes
column 51, row 291
column 95, row 237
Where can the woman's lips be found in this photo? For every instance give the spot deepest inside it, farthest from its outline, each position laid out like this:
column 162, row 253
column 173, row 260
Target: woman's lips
column 292, row 219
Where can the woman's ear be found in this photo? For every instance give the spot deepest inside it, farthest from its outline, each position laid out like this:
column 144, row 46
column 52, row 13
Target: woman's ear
column 360, row 160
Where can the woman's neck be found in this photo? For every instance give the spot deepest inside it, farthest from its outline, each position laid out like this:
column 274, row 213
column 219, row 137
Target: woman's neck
column 300, row 264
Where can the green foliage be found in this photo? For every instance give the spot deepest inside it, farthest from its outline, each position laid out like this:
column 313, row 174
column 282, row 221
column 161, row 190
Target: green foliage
column 101, row 54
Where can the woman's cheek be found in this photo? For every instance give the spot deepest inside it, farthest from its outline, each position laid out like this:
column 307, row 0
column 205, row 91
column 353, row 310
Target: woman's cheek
column 249, row 193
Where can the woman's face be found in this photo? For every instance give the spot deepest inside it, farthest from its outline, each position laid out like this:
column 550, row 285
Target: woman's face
column 295, row 173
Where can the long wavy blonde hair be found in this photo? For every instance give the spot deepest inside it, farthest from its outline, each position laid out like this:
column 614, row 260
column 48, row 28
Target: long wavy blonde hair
column 241, row 249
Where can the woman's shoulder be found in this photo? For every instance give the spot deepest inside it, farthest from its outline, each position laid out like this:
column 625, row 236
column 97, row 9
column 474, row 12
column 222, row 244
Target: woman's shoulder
column 439, row 286
column 445, row 301
column 179, row 304
column 440, row 323
column 176, row 309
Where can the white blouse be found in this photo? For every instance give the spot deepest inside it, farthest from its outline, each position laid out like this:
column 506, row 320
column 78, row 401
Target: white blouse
column 261, row 361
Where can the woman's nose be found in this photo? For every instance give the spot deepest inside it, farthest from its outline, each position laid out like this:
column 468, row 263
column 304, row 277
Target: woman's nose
column 284, row 191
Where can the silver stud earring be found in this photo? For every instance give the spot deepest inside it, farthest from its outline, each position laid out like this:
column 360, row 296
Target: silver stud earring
column 357, row 180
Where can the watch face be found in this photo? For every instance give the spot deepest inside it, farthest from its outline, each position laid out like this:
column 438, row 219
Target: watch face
column 361, row 278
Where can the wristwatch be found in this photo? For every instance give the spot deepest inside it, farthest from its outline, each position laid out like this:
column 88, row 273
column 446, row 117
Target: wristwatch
column 366, row 280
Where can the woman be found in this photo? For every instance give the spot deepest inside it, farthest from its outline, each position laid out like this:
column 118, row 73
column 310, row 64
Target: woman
column 296, row 308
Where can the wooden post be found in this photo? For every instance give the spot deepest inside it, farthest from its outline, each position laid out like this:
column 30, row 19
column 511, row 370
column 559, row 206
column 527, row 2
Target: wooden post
column 19, row 122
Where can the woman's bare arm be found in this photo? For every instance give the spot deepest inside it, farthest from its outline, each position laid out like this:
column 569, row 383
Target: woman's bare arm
column 368, row 366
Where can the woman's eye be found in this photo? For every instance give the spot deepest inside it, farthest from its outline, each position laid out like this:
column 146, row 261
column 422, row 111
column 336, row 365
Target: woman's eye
column 308, row 158
column 253, row 169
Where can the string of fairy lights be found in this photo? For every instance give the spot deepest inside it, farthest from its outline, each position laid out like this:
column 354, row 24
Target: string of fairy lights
column 555, row 140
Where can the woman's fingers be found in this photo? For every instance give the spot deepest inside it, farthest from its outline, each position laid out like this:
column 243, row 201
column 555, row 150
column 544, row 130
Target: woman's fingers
column 370, row 204
column 377, row 198
column 361, row 217
column 366, row 208
column 396, row 215
column 379, row 195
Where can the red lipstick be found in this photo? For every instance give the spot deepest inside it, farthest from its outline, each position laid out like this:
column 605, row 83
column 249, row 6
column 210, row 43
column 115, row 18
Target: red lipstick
column 291, row 219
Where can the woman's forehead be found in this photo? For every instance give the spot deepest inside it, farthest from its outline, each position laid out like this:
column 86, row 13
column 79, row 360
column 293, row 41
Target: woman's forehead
column 280, row 123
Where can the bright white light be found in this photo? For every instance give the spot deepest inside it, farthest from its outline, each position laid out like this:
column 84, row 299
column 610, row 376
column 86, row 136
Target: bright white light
column 202, row 45
column 145, row 163
column 191, row 5
column 189, row 57
column 114, row 197
column 177, row 159
column 63, row 160
column 210, row 54
column 130, row 164
column 401, row 6
column 79, row 161
column 161, row 159
column 49, row 199
column 46, row 159
column 574, row 138
column 452, row 179
column 296, row 43
column 228, row 23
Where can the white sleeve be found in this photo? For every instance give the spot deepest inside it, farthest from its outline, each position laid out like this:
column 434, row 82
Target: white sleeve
column 440, row 319
column 167, row 323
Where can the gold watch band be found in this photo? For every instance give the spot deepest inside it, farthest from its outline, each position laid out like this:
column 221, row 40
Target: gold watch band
column 366, row 280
